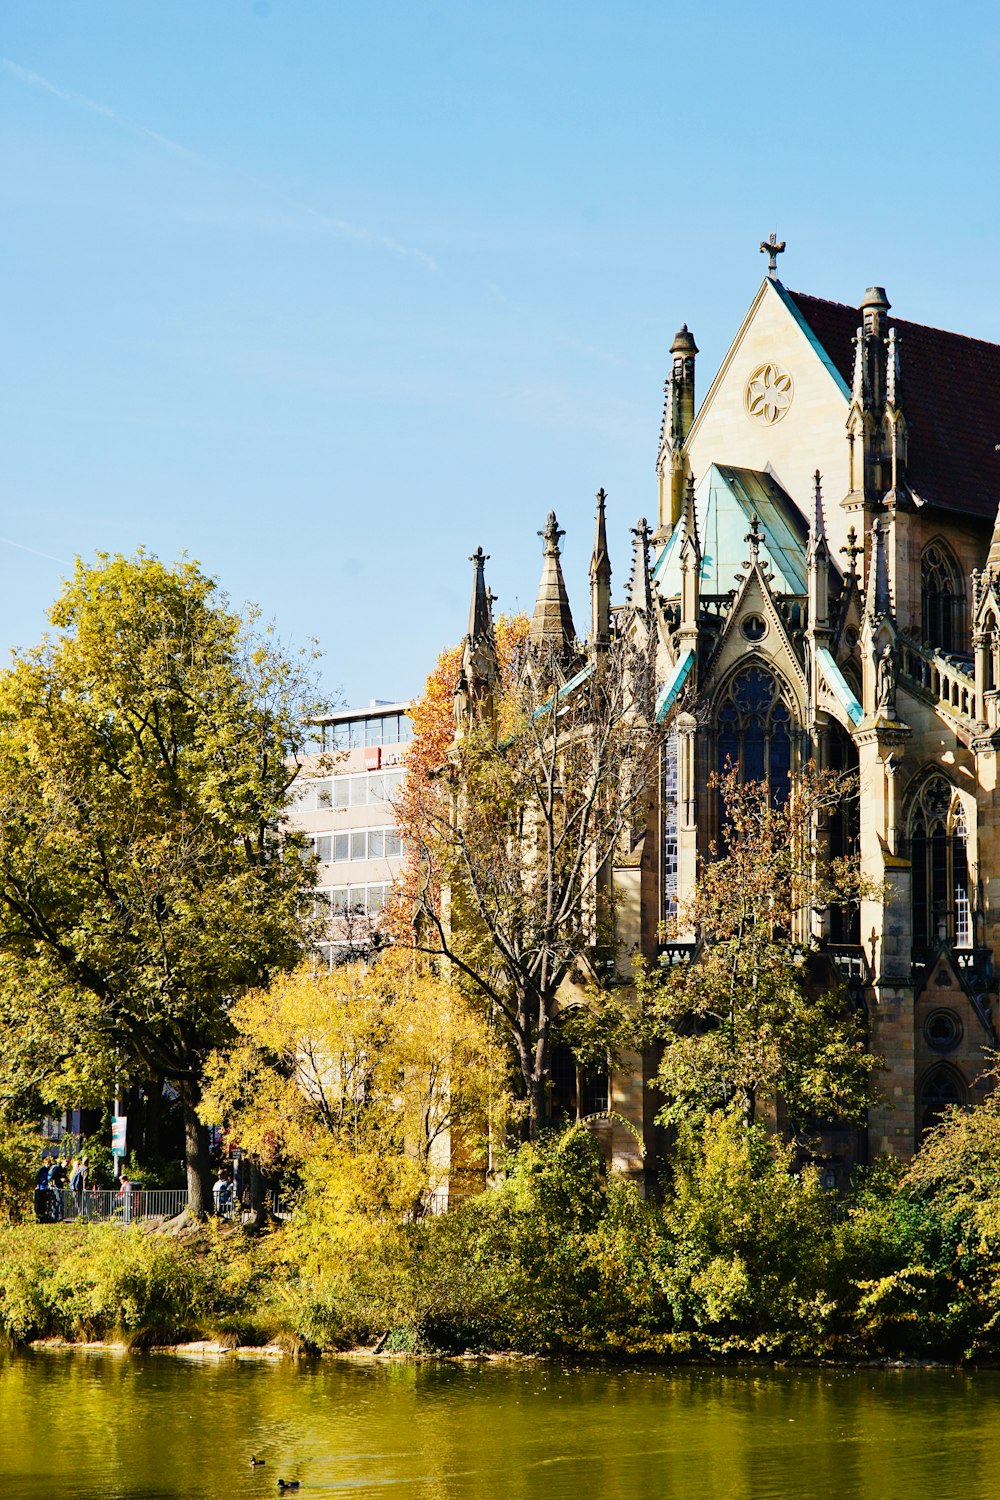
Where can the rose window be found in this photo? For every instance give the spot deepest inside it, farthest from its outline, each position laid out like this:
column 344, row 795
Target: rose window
column 768, row 394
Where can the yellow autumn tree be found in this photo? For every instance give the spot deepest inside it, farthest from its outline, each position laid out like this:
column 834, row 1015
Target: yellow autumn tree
column 373, row 1083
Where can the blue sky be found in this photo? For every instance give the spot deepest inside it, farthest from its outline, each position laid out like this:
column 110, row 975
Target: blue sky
column 327, row 295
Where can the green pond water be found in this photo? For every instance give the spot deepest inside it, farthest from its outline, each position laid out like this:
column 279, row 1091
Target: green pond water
column 74, row 1425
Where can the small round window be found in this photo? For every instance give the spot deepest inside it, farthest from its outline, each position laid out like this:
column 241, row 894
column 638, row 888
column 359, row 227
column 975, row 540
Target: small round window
column 754, row 628
column 943, row 1030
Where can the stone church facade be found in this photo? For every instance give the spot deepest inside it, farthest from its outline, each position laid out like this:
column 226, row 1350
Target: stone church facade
column 823, row 583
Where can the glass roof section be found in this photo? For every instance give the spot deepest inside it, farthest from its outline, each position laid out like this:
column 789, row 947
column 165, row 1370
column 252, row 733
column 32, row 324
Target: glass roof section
column 725, row 500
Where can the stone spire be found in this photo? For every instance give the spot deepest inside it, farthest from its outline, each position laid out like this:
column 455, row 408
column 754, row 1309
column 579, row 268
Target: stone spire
column 552, row 622
column 678, row 418
column 993, row 560
column 691, row 540
column 894, row 431
column 479, row 669
column 876, row 429
column 878, row 599
column 600, row 580
column 690, row 567
column 683, row 350
column 817, row 529
column 640, row 585
column 480, row 620
column 818, row 563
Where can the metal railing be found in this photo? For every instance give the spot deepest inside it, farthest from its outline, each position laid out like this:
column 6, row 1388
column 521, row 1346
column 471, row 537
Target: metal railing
column 98, row 1205
column 443, row 1201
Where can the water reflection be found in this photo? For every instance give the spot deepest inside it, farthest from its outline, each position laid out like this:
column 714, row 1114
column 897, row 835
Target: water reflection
column 89, row 1425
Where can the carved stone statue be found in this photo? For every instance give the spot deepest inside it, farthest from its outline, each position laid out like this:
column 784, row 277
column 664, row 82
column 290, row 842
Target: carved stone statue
column 886, row 673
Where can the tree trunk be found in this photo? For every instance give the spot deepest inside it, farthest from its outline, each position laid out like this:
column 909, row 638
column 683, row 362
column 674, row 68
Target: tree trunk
column 152, row 1116
column 538, row 1101
column 538, row 1091
column 256, row 1186
column 199, row 1175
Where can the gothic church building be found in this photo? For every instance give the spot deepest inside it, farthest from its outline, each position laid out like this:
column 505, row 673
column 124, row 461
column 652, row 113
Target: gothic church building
column 823, row 583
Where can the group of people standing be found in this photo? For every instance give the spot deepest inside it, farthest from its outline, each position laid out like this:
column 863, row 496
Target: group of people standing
column 50, row 1184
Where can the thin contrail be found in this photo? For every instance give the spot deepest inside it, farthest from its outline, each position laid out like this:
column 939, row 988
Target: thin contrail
column 62, row 561
column 35, row 80
column 337, row 226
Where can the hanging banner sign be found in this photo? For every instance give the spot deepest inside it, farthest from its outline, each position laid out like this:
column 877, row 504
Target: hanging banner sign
column 118, row 1127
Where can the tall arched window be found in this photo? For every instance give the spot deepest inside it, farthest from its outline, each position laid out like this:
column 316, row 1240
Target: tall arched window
column 844, row 830
column 942, row 599
column 753, row 729
column 942, row 1089
column 991, row 643
column 938, row 851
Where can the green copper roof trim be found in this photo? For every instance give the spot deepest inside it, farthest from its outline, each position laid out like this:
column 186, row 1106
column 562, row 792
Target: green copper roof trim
column 662, row 563
column 673, row 685
column 565, row 690
column 789, row 302
column 839, row 685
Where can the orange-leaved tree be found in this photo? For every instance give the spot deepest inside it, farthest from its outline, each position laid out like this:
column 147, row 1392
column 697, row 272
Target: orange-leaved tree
column 513, row 824
column 426, row 789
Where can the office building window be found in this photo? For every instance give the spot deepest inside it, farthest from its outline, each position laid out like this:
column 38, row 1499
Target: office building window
column 357, row 843
column 358, row 734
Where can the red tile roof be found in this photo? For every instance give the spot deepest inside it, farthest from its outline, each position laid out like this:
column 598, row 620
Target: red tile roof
column 950, row 395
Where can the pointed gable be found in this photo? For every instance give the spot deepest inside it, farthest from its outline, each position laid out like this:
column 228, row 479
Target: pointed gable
column 777, row 405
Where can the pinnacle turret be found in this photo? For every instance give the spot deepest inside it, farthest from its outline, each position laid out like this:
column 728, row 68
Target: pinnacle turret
column 640, row 585
column 479, row 670
column 878, row 597
column 552, row 621
column 600, row 579
column 480, row 621
column 817, row 530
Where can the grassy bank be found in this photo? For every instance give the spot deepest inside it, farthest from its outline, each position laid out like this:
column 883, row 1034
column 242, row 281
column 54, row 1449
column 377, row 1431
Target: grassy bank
column 741, row 1258
column 138, row 1284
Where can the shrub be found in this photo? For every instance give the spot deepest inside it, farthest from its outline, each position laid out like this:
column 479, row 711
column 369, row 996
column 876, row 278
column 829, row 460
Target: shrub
column 752, row 1244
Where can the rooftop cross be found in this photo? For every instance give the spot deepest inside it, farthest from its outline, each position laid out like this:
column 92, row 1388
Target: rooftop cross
column 853, row 550
column 753, row 536
column 772, row 248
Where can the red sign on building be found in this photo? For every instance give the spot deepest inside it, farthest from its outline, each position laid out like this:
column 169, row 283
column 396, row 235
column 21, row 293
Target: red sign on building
column 373, row 757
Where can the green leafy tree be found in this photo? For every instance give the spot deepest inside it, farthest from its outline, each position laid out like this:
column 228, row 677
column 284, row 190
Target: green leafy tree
column 147, row 749
column 749, row 1019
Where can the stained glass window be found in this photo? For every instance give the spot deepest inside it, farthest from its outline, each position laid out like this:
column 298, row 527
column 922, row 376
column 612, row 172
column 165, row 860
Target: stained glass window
column 754, row 731
column 942, row 908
